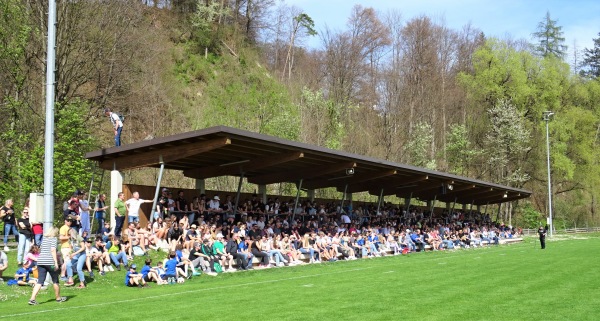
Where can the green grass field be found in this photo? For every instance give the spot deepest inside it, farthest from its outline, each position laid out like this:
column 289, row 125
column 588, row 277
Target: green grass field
column 515, row 282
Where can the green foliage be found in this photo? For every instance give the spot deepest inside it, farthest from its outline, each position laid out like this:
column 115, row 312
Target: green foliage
column 530, row 217
column 591, row 60
column 24, row 168
column 73, row 140
column 305, row 22
column 235, row 93
column 500, row 72
column 459, row 150
column 14, row 34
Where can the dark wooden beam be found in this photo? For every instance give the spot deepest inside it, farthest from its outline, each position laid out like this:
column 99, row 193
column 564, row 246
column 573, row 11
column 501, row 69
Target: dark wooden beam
column 456, row 191
column 169, row 154
column 341, row 181
column 389, row 188
column 407, row 191
column 245, row 166
column 471, row 194
column 509, row 198
column 304, row 173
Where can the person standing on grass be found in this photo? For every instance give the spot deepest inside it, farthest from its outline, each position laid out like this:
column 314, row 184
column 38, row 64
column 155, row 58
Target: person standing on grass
column 120, row 210
column 84, row 214
column 25, row 236
column 48, row 264
column 7, row 214
column 542, row 233
column 100, row 211
column 117, row 125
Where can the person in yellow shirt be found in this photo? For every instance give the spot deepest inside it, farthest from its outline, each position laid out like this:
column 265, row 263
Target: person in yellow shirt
column 64, row 237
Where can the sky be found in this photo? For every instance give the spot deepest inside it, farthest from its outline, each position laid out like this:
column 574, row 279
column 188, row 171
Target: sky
column 517, row 19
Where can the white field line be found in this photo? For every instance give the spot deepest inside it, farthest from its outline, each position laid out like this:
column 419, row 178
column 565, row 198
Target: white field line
column 177, row 293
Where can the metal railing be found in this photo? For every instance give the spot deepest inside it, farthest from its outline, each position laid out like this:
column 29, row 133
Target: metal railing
column 530, row 231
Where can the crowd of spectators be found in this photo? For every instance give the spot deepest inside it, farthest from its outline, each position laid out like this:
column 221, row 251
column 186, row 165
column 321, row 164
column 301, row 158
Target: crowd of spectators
column 205, row 236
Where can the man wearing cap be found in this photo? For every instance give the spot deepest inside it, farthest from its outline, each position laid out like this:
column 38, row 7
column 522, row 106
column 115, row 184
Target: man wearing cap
column 71, row 214
column 224, row 257
column 133, row 207
column 133, row 278
column 214, row 205
column 191, row 236
column 196, row 258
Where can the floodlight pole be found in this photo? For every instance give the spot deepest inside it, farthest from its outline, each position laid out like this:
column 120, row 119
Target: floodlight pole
column 49, row 128
column 546, row 117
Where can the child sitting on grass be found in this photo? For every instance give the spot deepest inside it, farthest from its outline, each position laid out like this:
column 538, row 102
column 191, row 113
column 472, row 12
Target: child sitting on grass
column 132, row 278
column 22, row 275
column 150, row 274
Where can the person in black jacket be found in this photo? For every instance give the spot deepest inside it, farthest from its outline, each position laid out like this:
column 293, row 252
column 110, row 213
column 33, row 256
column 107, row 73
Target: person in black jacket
column 232, row 248
column 542, row 233
column 25, row 236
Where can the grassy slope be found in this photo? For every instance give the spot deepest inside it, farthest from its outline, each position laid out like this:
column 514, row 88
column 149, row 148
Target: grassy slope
column 514, row 282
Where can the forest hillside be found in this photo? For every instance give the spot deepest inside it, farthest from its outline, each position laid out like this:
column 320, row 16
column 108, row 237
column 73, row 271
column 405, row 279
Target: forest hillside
column 404, row 89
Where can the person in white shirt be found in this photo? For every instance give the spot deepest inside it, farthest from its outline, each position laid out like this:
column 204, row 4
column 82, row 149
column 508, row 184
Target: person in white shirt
column 133, row 207
column 214, row 205
column 117, row 125
column 346, row 218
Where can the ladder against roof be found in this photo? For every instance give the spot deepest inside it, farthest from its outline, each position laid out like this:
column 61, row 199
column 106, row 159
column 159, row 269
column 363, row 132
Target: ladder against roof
column 95, row 191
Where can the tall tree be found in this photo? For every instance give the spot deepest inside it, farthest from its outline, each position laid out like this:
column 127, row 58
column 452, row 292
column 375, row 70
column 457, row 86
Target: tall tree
column 551, row 42
column 591, row 60
column 300, row 23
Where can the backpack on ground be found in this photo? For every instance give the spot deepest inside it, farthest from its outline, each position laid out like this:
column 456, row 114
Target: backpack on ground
column 218, row 268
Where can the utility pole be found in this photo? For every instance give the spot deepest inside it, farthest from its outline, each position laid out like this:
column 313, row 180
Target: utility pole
column 546, row 116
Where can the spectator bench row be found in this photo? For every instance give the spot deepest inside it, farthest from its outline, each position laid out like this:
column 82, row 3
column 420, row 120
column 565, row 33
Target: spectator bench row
column 306, row 257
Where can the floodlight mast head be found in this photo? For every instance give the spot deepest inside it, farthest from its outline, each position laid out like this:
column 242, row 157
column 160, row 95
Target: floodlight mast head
column 547, row 115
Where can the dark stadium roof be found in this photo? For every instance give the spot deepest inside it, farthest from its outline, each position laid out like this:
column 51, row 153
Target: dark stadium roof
column 220, row 150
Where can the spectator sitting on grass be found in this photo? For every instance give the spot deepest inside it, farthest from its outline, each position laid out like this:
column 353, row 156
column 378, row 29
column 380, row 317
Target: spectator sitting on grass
column 76, row 260
column 117, row 253
column 132, row 278
column 174, row 236
column 197, row 260
column 150, row 274
column 160, row 271
column 93, row 256
column 171, row 268
column 22, row 275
